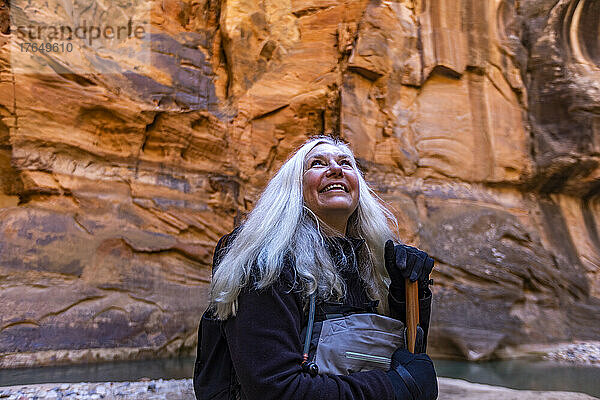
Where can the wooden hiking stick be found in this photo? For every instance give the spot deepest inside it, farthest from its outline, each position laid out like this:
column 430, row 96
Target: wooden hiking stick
column 412, row 313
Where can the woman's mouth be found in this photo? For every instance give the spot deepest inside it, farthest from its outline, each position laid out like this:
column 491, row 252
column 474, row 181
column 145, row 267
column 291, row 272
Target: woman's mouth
column 334, row 186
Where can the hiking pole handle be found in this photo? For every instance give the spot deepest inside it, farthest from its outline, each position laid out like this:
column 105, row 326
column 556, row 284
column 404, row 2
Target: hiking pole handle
column 412, row 313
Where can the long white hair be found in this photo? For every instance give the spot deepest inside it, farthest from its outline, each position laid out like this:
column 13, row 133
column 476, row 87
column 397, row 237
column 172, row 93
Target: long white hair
column 281, row 228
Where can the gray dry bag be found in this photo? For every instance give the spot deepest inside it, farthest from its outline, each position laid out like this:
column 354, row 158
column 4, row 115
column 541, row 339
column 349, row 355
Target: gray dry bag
column 352, row 343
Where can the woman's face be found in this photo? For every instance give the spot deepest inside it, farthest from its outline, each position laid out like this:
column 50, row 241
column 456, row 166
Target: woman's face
column 330, row 185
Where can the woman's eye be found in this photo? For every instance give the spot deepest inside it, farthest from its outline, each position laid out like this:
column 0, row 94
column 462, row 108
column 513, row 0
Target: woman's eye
column 346, row 163
column 314, row 163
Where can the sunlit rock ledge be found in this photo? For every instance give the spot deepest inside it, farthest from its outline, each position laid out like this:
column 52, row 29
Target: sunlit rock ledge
column 94, row 355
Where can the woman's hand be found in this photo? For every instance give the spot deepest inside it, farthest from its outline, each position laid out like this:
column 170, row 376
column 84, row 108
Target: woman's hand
column 406, row 262
column 413, row 376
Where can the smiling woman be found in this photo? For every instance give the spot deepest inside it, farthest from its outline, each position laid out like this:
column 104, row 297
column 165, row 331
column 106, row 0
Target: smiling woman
column 330, row 185
column 313, row 250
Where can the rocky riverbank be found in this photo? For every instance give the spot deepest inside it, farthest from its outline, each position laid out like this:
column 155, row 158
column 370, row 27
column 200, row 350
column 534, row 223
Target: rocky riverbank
column 450, row 389
column 585, row 353
column 173, row 389
column 457, row 389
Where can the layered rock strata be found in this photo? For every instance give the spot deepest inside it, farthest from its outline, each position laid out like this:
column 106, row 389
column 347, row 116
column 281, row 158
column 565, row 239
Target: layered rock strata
column 477, row 121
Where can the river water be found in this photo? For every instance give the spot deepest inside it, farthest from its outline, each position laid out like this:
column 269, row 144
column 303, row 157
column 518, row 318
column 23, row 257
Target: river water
column 516, row 374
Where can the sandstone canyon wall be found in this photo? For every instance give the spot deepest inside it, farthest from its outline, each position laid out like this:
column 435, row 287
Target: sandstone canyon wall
column 477, row 121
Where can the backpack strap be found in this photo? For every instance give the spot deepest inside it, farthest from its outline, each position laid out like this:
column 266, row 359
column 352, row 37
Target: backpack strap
column 307, row 366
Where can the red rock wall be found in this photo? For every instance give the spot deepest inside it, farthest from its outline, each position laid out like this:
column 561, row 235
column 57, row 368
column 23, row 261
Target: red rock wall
column 478, row 121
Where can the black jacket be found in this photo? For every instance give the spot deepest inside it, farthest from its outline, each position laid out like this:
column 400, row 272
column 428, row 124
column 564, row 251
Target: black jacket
column 257, row 354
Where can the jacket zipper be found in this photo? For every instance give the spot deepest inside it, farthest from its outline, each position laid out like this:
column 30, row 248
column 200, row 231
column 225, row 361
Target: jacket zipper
column 368, row 357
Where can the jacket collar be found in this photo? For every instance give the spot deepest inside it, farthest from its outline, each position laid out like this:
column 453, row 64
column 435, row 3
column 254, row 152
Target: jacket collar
column 356, row 243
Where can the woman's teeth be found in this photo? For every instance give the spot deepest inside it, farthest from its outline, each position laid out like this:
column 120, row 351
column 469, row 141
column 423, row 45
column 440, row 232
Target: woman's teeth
column 334, row 186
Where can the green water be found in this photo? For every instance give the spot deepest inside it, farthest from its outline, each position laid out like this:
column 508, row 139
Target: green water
column 521, row 374
column 515, row 374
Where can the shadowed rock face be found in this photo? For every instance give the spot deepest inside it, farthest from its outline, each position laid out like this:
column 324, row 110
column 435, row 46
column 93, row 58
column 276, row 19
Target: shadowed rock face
column 477, row 121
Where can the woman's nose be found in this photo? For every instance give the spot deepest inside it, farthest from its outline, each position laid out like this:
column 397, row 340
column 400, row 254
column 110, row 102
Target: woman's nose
column 335, row 168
